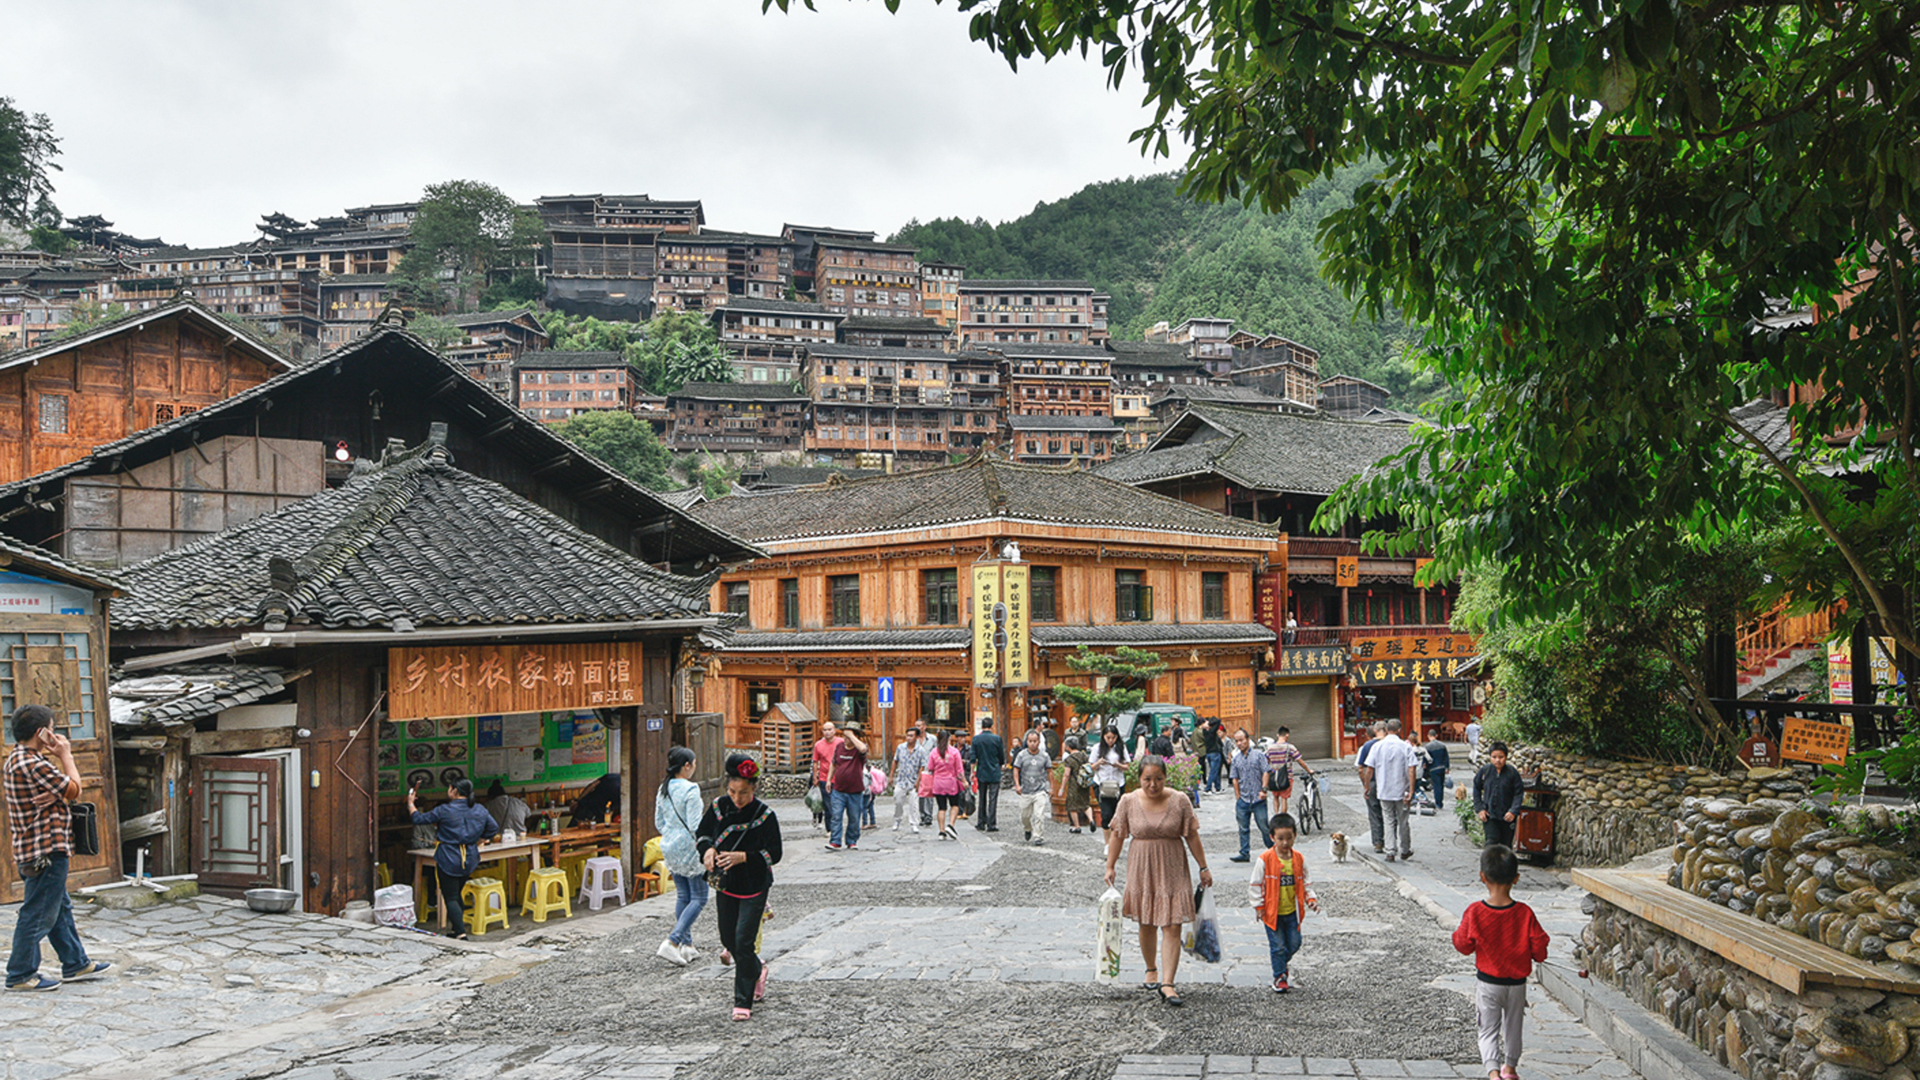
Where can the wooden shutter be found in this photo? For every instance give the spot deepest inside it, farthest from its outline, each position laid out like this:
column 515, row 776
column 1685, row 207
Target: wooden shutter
column 236, row 842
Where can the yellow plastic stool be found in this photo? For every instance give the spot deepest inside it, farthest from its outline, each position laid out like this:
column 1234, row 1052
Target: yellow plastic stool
column 547, row 891
column 383, row 875
column 575, row 867
column 486, row 901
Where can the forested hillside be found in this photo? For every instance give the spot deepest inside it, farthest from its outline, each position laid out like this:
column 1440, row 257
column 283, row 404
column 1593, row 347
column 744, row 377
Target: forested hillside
column 1163, row 256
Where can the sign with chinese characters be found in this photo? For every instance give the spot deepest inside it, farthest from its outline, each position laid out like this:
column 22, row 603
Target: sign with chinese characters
column 986, row 593
column 1443, row 646
column 1405, row 669
column 1759, row 752
column 1270, row 601
column 1200, row 691
column 1236, row 693
column 1346, row 571
column 1313, row 660
column 1013, row 587
column 482, row 680
column 1815, row 741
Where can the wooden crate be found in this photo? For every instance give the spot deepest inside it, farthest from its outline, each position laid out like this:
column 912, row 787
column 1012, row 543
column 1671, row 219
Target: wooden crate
column 787, row 735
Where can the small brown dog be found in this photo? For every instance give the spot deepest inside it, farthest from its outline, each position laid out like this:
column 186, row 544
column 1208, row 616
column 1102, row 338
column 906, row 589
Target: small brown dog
column 1337, row 846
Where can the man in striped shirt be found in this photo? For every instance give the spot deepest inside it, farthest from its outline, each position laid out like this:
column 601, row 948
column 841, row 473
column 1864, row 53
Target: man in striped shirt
column 40, row 779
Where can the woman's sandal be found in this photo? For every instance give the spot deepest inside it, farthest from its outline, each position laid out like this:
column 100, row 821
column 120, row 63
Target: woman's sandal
column 1171, row 996
column 1151, row 983
column 742, row 1014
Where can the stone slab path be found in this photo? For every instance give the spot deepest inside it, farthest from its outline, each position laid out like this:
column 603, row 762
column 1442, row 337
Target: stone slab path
column 435, row 1061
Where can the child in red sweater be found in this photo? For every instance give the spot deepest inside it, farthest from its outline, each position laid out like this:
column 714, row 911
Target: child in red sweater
column 1505, row 940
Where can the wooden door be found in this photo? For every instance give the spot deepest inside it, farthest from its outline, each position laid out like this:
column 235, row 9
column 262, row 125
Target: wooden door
column 49, row 660
column 236, row 841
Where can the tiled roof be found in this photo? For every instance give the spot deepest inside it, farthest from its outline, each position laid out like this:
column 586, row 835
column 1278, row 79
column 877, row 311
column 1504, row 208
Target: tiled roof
column 1261, row 450
column 1150, row 633
column 1150, row 354
column 411, row 543
column 863, row 245
column 26, row 558
column 778, row 307
column 937, row 637
column 770, row 476
column 899, row 324
column 981, row 488
column 1003, row 284
column 484, row 318
column 537, row 361
column 186, row 694
column 726, row 391
column 1040, row 350
column 396, row 362
column 1348, row 380
column 1233, row 395
column 184, row 308
column 1062, row 423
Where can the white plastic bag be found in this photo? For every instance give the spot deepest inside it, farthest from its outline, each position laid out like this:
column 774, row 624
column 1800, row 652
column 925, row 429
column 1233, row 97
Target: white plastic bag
column 393, row 905
column 1109, row 939
column 1202, row 936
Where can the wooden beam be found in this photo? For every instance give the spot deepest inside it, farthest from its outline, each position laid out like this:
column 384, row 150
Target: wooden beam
column 446, row 384
column 239, row 742
column 555, row 463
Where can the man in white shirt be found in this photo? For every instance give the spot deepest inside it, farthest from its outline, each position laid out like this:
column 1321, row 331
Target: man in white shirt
column 1473, row 738
column 1394, row 767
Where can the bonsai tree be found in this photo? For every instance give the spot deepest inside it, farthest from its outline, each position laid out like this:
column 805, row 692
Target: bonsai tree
column 1127, row 671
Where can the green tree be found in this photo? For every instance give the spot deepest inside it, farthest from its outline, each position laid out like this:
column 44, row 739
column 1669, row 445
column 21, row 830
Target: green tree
column 27, row 149
column 679, row 347
column 436, row 332
column 86, row 315
column 1590, row 208
column 1127, row 671
column 622, row 441
column 464, row 232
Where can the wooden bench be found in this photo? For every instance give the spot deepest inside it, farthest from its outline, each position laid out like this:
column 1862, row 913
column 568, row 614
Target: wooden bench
column 1777, row 955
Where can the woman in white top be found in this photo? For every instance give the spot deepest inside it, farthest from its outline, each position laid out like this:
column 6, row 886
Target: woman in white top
column 676, row 813
column 1109, row 772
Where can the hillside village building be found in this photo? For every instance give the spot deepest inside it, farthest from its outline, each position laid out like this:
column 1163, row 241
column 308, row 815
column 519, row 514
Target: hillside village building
column 769, row 338
column 1030, row 312
column 737, row 418
column 866, row 578
column 557, row 386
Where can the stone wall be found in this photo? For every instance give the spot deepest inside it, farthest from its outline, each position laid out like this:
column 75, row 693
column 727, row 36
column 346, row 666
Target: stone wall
column 1842, row 877
column 1611, row 812
column 1752, row 1026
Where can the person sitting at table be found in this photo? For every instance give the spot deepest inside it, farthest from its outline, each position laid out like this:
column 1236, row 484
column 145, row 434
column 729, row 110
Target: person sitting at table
column 598, row 802
column 509, row 811
column 461, row 825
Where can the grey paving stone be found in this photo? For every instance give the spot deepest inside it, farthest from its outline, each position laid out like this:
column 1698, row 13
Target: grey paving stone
column 1329, row 1067
column 1429, row 1067
column 1279, row 1066
column 1378, row 1067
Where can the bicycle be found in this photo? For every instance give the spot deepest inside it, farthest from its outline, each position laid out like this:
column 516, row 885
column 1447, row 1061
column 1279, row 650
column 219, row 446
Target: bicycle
column 1308, row 811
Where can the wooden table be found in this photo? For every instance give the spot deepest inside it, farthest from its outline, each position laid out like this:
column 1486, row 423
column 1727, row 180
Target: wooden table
column 423, row 857
column 573, row 840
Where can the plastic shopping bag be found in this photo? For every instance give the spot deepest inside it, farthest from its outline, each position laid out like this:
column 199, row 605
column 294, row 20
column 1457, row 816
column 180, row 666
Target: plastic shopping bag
column 1109, row 940
column 1202, row 936
column 814, row 802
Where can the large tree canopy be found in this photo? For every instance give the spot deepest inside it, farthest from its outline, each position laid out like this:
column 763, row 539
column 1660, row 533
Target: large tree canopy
column 464, row 232
column 1588, row 206
column 27, row 149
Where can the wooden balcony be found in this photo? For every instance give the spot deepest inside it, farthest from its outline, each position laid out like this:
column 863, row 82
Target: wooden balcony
column 1342, row 635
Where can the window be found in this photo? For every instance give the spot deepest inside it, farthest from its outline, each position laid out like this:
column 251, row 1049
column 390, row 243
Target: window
column 738, row 593
column 1132, row 597
column 790, row 603
column 942, row 589
column 1213, row 595
column 1041, row 589
column 53, row 414
column 845, row 592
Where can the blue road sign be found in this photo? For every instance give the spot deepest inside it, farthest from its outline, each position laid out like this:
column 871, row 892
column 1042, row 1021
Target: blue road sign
column 886, row 692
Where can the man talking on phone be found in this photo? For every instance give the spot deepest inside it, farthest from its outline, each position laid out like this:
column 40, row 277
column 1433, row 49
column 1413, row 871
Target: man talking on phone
column 40, row 779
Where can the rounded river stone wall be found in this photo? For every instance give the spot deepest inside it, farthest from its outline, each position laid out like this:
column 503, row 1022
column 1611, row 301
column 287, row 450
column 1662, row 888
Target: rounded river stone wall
column 1611, row 812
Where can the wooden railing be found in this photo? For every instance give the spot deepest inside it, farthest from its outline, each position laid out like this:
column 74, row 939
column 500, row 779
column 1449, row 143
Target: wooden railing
column 1340, row 635
column 1771, row 633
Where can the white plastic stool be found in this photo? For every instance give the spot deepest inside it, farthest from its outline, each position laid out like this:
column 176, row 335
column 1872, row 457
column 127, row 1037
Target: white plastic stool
column 600, row 880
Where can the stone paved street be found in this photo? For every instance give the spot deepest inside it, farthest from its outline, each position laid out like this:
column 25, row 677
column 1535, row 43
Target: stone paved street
column 981, row 947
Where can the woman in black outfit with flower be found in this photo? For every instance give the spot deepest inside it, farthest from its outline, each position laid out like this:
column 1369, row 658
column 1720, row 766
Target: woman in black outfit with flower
column 739, row 841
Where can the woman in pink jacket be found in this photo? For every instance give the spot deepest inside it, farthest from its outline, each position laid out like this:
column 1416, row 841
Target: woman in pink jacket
column 941, row 780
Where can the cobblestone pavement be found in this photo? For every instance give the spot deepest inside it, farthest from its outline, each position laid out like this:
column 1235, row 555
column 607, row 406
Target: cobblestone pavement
column 206, row 979
column 912, row 957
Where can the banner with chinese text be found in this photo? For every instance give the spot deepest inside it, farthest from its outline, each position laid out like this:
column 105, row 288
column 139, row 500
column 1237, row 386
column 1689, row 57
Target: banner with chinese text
column 486, row 679
column 986, row 593
column 1312, row 660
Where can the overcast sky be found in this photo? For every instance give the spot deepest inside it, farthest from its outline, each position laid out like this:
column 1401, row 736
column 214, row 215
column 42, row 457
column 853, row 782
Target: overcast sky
column 188, row 119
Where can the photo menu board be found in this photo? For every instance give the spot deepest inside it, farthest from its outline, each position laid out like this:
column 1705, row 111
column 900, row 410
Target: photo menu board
column 514, row 748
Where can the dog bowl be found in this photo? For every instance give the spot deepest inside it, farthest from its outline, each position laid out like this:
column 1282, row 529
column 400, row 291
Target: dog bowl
column 271, row 901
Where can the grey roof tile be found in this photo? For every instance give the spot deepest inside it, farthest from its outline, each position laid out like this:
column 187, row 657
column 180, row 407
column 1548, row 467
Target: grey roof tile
column 936, row 637
column 1148, row 633
column 186, row 694
column 415, row 541
column 980, row 488
column 1261, row 450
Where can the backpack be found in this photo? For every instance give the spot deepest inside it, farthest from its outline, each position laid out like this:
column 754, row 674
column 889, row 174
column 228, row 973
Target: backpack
column 1084, row 775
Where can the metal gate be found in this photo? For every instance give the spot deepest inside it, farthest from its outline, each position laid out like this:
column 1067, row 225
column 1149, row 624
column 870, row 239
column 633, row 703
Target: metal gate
column 1304, row 709
column 237, row 803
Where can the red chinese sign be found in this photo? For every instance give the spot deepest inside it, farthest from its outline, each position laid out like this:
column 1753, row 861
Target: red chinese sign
column 482, row 680
column 1270, row 601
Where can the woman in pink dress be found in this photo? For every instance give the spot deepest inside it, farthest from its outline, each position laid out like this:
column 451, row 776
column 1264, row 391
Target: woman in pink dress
column 942, row 779
column 1159, row 892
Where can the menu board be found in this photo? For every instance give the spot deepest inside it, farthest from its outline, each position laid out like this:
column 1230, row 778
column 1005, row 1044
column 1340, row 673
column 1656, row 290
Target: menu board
column 517, row 748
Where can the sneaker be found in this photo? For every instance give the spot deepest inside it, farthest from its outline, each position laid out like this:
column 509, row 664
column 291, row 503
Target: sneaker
column 833, row 847
column 689, row 952
column 1379, row 849
column 896, row 827
column 1280, row 985
column 1075, row 832
column 1038, row 840
column 1389, row 858
column 853, row 847
column 38, row 982
column 916, row 830
column 670, row 952
column 92, row 971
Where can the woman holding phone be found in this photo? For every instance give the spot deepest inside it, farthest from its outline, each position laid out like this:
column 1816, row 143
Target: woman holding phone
column 739, row 839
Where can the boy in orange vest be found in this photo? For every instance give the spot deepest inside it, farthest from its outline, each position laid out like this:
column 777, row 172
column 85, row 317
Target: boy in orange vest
column 1281, row 896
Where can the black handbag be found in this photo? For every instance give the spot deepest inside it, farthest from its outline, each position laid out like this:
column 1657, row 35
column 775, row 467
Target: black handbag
column 86, row 828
